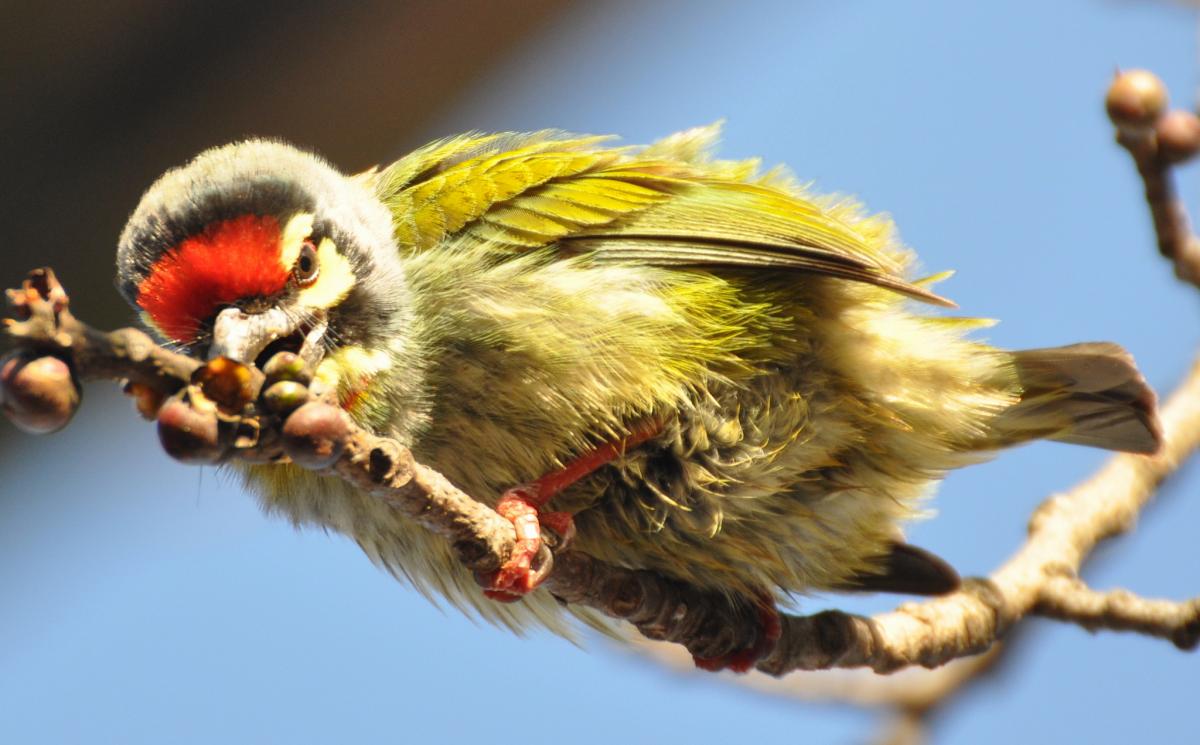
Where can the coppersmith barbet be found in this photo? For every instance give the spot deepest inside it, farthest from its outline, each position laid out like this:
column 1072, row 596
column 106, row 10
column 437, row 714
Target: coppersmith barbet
column 696, row 368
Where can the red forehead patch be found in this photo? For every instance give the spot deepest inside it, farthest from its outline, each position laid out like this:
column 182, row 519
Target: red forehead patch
column 230, row 260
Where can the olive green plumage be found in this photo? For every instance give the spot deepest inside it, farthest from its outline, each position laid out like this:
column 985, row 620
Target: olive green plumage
column 560, row 290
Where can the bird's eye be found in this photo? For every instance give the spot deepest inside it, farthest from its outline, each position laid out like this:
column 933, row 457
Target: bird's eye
column 306, row 269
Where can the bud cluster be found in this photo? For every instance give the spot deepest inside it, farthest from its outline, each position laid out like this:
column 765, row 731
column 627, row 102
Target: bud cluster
column 230, row 408
column 1137, row 105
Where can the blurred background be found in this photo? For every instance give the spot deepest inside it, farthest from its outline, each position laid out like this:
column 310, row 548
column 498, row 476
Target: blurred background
column 143, row 601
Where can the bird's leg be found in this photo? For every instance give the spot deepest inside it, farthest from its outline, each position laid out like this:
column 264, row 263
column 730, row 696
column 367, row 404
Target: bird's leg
column 523, row 505
column 743, row 660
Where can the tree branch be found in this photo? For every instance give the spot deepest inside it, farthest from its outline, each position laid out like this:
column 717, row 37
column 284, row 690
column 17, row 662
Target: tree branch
column 1158, row 139
column 1069, row 599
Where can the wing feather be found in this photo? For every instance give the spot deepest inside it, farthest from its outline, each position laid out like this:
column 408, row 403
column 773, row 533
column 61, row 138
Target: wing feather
column 667, row 205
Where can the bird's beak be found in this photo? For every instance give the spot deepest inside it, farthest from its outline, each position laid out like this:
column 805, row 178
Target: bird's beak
column 244, row 336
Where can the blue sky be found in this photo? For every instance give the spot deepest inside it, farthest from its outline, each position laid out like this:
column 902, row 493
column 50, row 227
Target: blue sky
column 149, row 602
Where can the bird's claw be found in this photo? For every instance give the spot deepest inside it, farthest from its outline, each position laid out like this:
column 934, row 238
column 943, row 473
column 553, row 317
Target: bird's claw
column 531, row 559
column 744, row 660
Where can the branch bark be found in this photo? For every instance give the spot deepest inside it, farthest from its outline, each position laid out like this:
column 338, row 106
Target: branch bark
column 1069, row 599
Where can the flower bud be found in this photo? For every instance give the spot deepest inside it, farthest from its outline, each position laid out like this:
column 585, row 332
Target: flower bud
column 39, row 394
column 187, row 434
column 1135, row 99
column 226, row 382
column 285, row 396
column 1178, row 136
column 146, row 399
column 287, row 366
column 315, row 435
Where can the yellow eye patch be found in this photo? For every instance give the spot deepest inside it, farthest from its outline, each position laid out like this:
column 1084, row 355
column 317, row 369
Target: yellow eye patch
column 335, row 276
column 334, row 280
column 298, row 229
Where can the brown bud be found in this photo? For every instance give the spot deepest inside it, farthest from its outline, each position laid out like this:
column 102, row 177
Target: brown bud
column 1178, row 136
column 226, row 382
column 146, row 399
column 189, row 435
column 39, row 394
column 287, row 366
column 285, row 396
column 315, row 435
column 1135, row 99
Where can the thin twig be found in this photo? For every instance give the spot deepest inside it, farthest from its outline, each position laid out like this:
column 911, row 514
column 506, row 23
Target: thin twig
column 1069, row 599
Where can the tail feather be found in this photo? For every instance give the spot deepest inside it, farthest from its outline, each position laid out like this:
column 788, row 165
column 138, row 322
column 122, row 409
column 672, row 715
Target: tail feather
column 1087, row 394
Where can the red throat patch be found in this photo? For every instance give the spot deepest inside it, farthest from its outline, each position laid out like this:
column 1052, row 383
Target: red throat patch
column 230, row 260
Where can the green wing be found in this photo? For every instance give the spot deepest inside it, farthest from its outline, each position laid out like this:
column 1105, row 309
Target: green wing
column 667, row 204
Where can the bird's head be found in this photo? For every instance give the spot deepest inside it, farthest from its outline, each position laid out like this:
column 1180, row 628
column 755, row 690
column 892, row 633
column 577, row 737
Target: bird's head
column 257, row 246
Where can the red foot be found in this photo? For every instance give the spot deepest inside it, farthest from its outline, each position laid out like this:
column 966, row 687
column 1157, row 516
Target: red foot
column 518, row 577
column 744, row 660
column 523, row 505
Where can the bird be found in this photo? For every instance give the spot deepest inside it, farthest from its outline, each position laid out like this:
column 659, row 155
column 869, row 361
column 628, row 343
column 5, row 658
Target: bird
column 674, row 362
